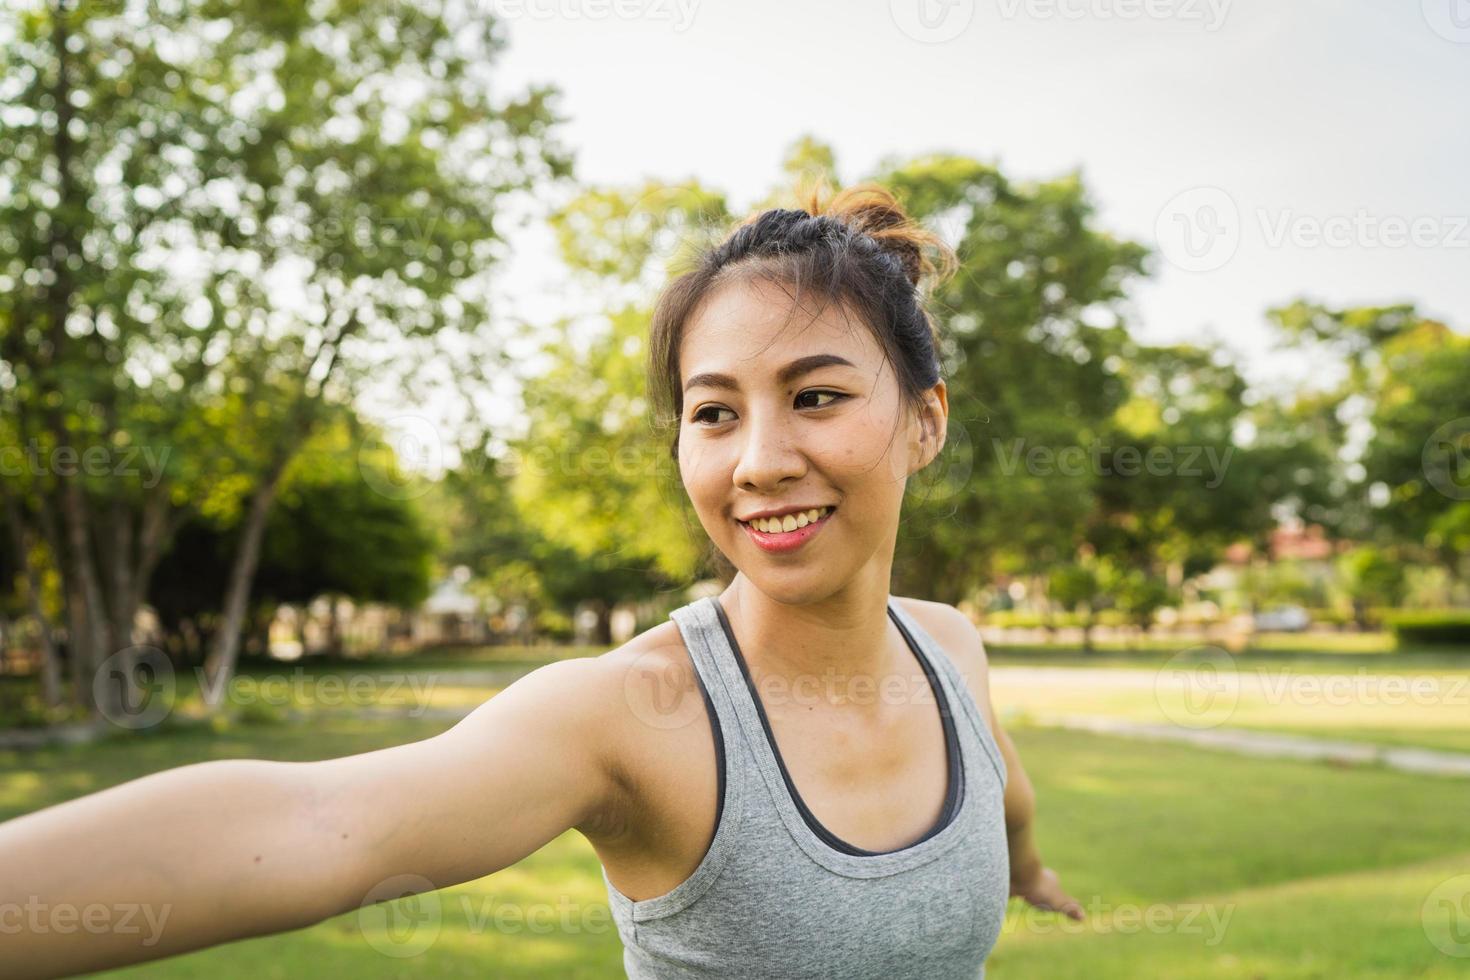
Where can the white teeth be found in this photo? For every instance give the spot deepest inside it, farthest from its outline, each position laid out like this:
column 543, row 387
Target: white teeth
column 789, row 522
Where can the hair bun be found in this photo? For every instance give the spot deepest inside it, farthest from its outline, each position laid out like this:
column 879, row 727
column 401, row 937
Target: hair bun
column 873, row 210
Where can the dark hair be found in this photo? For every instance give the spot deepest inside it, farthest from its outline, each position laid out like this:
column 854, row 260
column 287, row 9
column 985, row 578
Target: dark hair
column 860, row 249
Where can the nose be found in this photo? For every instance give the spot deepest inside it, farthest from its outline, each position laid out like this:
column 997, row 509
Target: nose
column 769, row 454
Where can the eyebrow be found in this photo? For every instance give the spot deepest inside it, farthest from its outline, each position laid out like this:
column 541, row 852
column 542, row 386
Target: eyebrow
column 787, row 374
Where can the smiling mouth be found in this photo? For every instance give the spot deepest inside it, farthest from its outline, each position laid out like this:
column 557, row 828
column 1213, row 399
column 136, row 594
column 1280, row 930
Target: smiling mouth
column 789, row 522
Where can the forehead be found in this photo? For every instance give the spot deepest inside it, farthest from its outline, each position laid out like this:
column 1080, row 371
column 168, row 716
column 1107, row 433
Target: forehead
column 753, row 327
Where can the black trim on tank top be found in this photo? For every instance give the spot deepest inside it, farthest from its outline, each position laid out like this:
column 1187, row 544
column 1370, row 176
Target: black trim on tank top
column 719, row 735
column 951, row 745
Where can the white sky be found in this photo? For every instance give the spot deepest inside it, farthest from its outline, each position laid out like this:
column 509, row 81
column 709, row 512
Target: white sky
column 1308, row 115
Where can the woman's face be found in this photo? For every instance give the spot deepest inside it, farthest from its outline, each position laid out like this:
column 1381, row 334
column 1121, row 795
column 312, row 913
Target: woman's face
column 790, row 416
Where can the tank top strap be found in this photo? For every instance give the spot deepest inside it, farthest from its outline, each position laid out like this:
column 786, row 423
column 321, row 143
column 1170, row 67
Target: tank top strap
column 956, row 688
column 697, row 626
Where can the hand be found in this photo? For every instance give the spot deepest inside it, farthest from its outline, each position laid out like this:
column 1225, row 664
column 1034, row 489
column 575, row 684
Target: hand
column 1044, row 891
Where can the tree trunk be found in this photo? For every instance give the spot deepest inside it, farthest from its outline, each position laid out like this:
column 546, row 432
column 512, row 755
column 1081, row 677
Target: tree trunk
column 334, row 629
column 96, row 639
column 50, row 668
column 219, row 666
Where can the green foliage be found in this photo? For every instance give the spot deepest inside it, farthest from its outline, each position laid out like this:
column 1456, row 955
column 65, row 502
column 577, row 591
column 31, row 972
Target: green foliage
column 1072, row 585
column 1449, row 627
column 221, row 220
column 1370, row 576
column 592, row 475
column 1136, row 592
column 331, row 532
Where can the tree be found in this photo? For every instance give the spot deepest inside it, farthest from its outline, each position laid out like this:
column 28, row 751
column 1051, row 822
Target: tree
column 330, row 533
column 1371, row 577
column 1031, row 319
column 1031, row 323
column 1402, row 386
column 1073, row 585
column 216, row 220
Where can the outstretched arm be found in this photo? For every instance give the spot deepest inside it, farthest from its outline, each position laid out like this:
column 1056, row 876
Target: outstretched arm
column 1031, row 879
column 224, row 850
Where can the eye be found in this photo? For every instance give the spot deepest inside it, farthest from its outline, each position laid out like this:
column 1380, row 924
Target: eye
column 703, row 413
column 836, row 396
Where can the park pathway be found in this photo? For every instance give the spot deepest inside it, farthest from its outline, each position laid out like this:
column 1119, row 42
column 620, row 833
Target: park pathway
column 1275, row 744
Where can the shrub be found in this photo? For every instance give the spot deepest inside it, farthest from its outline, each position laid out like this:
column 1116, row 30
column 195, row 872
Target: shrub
column 1430, row 626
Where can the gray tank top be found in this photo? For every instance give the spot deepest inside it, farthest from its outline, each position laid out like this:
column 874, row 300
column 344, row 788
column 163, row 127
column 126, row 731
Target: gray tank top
column 777, row 895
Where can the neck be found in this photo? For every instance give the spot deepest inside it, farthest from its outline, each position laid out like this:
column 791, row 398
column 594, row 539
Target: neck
column 825, row 649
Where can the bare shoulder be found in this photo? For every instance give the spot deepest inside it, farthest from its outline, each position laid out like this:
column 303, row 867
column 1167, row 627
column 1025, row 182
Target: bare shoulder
column 654, row 723
column 629, row 688
column 958, row 637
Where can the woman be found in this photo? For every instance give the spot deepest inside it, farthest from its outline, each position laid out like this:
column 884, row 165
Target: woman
column 801, row 776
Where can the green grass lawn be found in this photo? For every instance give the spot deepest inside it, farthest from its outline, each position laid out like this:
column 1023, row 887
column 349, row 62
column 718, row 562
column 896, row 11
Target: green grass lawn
column 1428, row 708
column 1192, row 863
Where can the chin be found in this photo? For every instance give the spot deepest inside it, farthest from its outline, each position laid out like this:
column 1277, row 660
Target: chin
column 794, row 586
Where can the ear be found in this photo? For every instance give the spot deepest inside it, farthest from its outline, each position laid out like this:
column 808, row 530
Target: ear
column 933, row 425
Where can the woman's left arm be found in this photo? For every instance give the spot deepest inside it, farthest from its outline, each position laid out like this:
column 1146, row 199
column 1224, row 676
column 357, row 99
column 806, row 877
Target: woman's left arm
column 1030, row 879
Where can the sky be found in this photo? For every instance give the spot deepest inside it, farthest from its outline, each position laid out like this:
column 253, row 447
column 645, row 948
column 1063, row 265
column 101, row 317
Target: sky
column 1266, row 150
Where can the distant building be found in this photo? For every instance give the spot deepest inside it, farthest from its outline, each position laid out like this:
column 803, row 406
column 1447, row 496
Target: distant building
column 451, row 614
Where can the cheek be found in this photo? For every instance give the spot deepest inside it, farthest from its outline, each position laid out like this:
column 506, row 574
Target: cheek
column 866, row 452
column 701, row 471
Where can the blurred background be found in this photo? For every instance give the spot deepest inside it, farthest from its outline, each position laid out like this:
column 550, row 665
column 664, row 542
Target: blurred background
column 322, row 419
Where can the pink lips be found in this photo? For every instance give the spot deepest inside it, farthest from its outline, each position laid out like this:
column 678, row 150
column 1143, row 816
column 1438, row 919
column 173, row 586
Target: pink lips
column 782, row 541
